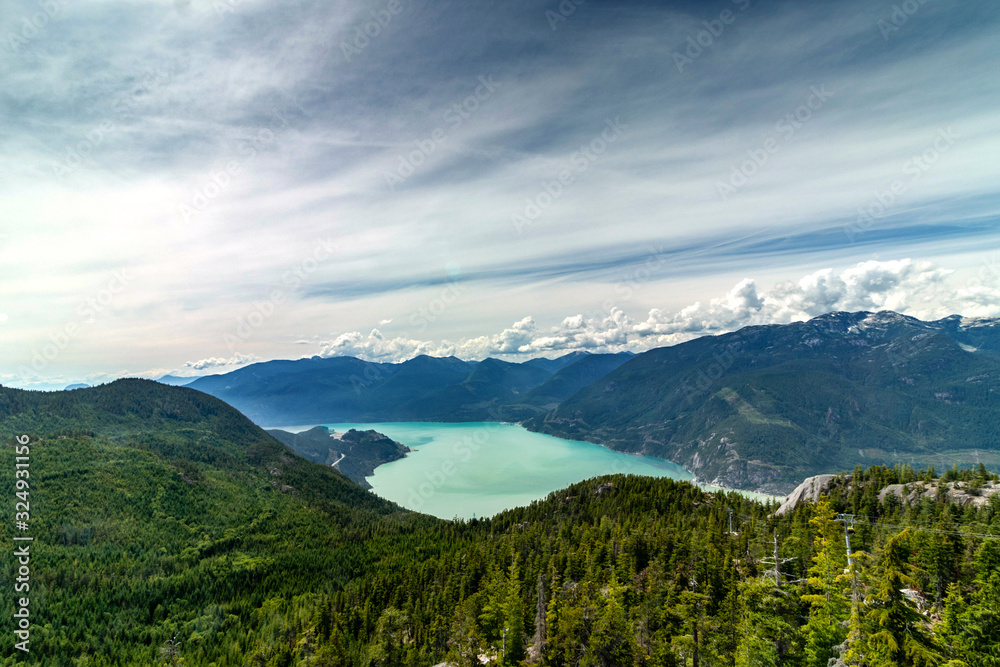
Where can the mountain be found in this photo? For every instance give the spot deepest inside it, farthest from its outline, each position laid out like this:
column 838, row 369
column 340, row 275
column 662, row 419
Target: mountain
column 570, row 379
column 164, row 515
column 80, row 385
column 312, row 390
column 355, row 453
column 175, row 380
column 559, row 363
column 160, row 511
column 482, row 396
column 345, row 389
column 766, row 406
column 200, row 436
column 978, row 333
column 756, row 409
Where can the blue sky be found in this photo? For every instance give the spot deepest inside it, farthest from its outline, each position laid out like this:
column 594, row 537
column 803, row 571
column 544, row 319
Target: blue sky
column 192, row 185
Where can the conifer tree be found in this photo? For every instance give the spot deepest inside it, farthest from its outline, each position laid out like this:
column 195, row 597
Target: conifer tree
column 513, row 617
column 466, row 644
column 612, row 643
column 893, row 633
column 971, row 626
column 541, row 631
column 828, row 608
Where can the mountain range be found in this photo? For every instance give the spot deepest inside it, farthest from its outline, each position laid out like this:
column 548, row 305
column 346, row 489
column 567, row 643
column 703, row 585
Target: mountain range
column 346, row 389
column 765, row 406
column 760, row 408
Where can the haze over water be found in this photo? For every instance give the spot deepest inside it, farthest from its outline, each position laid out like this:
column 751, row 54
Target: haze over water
column 479, row 469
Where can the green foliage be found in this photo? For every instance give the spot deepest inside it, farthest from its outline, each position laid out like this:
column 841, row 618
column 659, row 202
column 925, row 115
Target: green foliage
column 789, row 401
column 356, row 453
column 895, row 634
column 161, row 515
column 828, row 607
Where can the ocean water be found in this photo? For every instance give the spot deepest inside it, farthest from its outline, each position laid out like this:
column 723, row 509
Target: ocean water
column 479, row 469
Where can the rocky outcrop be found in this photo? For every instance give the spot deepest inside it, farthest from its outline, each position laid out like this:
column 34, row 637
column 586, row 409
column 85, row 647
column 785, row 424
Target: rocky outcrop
column 810, row 490
column 961, row 493
column 356, row 453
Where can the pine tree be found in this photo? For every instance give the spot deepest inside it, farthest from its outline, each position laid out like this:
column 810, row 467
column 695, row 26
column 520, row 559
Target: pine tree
column 171, row 651
column 894, row 634
column 612, row 643
column 513, row 617
column 466, row 644
column 766, row 634
column 971, row 626
column 390, row 636
column 828, row 608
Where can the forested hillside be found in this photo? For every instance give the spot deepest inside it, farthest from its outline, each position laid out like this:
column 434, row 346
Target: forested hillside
column 766, row 406
column 159, row 511
column 170, row 530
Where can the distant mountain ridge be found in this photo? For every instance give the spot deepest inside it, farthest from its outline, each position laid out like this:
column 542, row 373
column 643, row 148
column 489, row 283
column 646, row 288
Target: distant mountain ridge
column 760, row 408
column 346, row 389
column 176, row 380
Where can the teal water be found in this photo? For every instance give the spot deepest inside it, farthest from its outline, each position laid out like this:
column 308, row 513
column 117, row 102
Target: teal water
column 480, row 469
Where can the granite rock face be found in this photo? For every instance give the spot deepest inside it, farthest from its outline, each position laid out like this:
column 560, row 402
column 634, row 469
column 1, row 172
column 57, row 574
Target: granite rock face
column 810, row 490
column 961, row 493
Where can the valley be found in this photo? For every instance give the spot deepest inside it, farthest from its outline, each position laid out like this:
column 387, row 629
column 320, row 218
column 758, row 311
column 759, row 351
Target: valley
column 165, row 514
column 758, row 409
column 470, row 470
column 548, row 333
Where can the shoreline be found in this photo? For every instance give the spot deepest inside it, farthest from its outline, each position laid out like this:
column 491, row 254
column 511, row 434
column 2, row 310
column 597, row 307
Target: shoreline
column 701, row 484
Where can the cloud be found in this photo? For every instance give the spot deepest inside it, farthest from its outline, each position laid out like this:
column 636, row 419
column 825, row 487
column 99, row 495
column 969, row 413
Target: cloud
column 917, row 288
column 125, row 111
column 219, row 362
column 920, row 289
column 375, row 347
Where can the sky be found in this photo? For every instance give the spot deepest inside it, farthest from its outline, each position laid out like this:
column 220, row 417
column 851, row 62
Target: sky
column 189, row 186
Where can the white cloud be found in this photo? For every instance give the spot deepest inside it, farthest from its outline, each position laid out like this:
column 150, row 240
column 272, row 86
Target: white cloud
column 916, row 288
column 224, row 79
column 920, row 289
column 220, row 362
